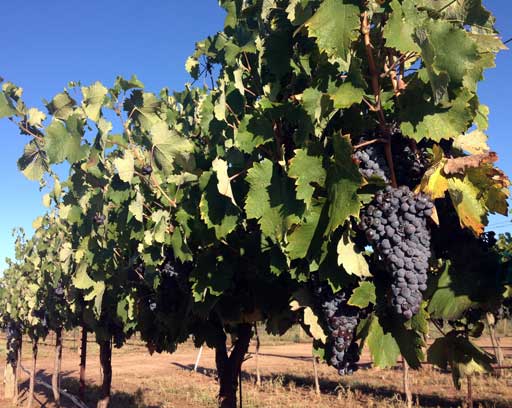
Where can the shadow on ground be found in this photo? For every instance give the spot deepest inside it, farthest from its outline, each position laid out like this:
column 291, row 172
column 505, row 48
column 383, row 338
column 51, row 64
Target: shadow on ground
column 373, row 391
column 92, row 393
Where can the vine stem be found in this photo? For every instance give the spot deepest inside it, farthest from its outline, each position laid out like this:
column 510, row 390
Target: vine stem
column 365, row 30
column 369, row 142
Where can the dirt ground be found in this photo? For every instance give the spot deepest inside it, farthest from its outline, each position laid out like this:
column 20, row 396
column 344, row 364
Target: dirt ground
column 167, row 381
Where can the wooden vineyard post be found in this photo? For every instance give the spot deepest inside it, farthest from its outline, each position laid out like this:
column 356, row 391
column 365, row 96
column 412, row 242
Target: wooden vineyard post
column 495, row 342
column 57, row 367
column 32, row 374
column 258, row 374
column 198, row 358
column 470, row 393
column 17, row 374
column 407, row 386
column 83, row 361
column 315, row 370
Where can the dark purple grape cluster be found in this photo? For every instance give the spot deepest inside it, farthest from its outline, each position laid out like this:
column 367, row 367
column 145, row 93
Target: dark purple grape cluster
column 59, row 290
column 341, row 321
column 13, row 334
column 147, row 170
column 99, row 219
column 42, row 315
column 372, row 162
column 395, row 223
column 169, row 269
column 410, row 160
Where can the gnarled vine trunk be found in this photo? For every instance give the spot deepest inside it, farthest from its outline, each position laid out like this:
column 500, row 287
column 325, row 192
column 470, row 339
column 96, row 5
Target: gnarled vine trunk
column 106, row 368
column 229, row 367
column 32, row 374
column 57, row 367
column 83, row 361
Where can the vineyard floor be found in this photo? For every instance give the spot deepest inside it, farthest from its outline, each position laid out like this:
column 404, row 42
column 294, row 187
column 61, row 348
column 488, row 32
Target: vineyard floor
column 167, row 381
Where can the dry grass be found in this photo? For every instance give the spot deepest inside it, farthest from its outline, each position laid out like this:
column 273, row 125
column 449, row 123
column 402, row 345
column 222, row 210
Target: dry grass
column 166, row 381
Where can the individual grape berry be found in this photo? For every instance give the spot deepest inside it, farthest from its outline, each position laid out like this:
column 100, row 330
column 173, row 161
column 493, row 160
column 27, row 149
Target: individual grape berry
column 147, row 170
column 99, row 219
column 404, row 246
column 340, row 321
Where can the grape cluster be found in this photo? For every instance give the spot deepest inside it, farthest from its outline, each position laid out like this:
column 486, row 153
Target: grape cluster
column 59, row 290
column 395, row 223
column 340, row 321
column 99, row 219
column 169, row 269
column 42, row 315
column 13, row 332
column 410, row 160
column 147, row 170
column 371, row 162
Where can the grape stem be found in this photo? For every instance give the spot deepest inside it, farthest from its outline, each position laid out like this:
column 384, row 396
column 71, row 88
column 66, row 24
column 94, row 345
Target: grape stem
column 369, row 142
column 365, row 30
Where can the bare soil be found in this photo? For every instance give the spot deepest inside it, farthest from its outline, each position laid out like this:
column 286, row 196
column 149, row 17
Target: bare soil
column 141, row 380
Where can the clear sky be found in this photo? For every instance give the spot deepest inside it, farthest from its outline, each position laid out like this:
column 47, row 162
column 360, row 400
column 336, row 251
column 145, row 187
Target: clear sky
column 47, row 44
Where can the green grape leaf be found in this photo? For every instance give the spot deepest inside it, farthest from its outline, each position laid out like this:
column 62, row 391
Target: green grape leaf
column 463, row 357
column 300, row 240
column 383, row 347
column 217, row 211
column 63, row 142
column 136, row 207
column 61, row 106
column 343, row 182
column 271, row 200
column 336, row 25
column 363, row 295
column 347, row 95
column 33, row 163
column 170, row 148
column 254, row 130
column 400, row 27
column 125, row 166
column 448, row 54
column 6, row 108
column 94, row 97
column 421, row 120
column 306, row 170
column 448, row 300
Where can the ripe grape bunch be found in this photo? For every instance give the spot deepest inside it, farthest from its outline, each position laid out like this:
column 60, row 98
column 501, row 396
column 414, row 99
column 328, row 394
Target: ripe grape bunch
column 410, row 160
column 13, row 335
column 341, row 321
column 395, row 223
column 371, row 162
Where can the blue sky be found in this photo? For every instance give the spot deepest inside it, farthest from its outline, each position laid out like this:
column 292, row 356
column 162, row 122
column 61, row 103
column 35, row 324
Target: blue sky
column 47, row 44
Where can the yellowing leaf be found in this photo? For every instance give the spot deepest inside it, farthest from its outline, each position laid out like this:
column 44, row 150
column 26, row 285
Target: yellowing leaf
column 224, row 184
column 37, row 223
column 351, row 259
column 465, row 197
column 434, row 182
column 474, row 142
column 311, row 320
